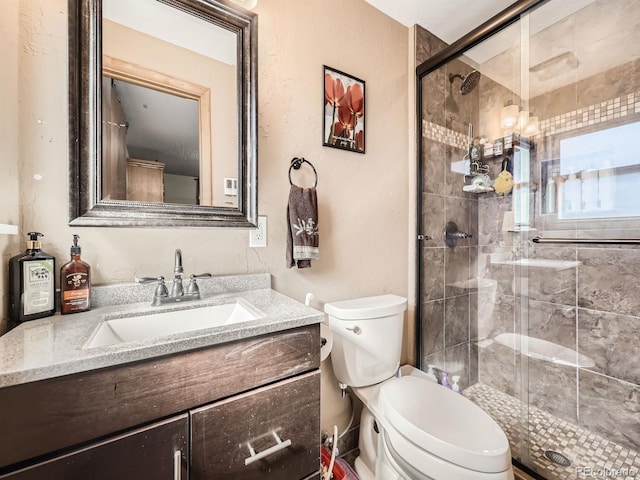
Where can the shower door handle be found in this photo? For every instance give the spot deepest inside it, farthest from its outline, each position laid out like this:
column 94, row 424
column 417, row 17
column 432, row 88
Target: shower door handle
column 425, row 237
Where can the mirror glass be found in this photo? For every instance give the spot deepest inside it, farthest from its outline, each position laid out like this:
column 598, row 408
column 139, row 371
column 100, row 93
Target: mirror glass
column 165, row 130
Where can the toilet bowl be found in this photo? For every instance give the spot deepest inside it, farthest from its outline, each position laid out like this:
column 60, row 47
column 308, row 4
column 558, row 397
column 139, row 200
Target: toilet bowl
column 411, row 427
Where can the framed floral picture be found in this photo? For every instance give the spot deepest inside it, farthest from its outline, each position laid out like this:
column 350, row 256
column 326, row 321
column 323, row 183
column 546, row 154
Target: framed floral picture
column 344, row 103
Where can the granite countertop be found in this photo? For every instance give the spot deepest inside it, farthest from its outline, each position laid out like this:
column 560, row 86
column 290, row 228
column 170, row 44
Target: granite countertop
column 53, row 346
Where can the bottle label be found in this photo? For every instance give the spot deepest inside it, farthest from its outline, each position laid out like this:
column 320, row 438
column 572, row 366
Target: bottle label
column 75, row 294
column 76, row 280
column 38, row 286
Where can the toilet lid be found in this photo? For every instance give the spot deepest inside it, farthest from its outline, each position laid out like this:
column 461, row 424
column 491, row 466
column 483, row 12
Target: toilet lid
column 444, row 423
column 366, row 308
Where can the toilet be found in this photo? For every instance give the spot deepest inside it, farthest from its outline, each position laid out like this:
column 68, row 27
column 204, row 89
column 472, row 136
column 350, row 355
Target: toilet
column 411, row 427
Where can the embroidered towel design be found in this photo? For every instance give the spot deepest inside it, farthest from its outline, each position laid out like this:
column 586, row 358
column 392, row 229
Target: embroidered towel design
column 302, row 223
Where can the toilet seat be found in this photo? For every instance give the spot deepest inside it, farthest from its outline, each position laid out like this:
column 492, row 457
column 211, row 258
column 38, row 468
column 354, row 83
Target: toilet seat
column 442, row 424
column 419, row 464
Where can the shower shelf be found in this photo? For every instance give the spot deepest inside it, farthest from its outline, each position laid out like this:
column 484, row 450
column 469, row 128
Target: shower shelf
column 539, row 263
column 544, row 350
column 477, row 189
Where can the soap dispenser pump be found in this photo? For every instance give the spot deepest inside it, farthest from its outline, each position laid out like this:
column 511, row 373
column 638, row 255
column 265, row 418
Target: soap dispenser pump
column 75, row 283
column 31, row 283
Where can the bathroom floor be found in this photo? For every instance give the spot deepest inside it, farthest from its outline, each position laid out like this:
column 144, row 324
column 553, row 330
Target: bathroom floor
column 590, row 454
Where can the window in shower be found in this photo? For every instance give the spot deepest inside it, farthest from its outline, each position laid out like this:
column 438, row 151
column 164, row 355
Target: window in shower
column 607, row 170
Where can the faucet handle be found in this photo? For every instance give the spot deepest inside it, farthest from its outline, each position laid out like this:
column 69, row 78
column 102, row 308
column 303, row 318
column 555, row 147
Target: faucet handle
column 161, row 289
column 201, row 275
column 148, row 279
column 193, row 289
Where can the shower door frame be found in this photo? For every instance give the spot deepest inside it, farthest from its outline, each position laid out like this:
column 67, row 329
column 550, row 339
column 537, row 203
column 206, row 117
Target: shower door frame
column 502, row 20
column 492, row 26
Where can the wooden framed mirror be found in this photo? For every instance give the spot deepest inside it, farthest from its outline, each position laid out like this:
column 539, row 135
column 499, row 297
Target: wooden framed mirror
column 162, row 113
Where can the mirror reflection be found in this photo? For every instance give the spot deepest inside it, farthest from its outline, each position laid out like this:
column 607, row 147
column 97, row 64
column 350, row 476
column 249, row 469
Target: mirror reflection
column 169, row 106
column 150, row 62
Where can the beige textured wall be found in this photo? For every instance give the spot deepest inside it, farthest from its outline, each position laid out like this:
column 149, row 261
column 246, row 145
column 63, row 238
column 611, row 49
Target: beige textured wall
column 363, row 199
column 9, row 130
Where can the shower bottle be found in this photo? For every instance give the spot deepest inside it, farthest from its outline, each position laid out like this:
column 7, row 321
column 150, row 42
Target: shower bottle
column 551, row 195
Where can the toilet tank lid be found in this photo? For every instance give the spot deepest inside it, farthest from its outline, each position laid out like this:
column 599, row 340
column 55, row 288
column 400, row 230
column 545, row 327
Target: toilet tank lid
column 368, row 307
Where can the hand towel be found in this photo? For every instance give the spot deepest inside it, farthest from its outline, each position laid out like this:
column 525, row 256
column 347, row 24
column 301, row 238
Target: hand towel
column 302, row 226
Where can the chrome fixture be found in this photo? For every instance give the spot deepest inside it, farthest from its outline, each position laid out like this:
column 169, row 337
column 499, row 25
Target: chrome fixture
column 161, row 295
column 469, row 81
column 452, row 235
column 557, row 458
column 589, row 241
column 177, row 290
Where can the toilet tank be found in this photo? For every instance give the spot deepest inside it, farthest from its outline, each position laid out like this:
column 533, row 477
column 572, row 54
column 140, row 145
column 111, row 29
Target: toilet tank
column 367, row 338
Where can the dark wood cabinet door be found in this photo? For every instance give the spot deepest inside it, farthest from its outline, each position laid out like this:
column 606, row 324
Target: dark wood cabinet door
column 264, row 420
column 145, row 453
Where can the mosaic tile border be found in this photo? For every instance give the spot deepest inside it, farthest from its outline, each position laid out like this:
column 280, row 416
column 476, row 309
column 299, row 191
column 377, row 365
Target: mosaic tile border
column 582, row 117
column 591, row 455
column 593, row 114
column 438, row 133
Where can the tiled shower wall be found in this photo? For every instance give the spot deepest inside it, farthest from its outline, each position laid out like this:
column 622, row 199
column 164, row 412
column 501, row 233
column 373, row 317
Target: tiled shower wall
column 448, row 298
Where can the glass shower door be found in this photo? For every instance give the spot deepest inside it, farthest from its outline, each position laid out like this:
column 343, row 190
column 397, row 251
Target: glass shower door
column 579, row 288
column 539, row 312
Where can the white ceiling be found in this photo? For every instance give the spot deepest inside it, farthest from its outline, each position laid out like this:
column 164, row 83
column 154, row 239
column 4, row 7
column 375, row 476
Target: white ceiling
column 447, row 19
column 581, row 29
column 161, row 127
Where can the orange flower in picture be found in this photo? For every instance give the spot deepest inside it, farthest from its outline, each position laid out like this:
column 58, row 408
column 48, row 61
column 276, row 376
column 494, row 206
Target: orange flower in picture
column 344, row 104
column 333, row 95
column 343, row 128
column 354, row 99
column 333, row 90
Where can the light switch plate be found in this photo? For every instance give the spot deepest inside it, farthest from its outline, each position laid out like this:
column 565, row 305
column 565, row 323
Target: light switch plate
column 258, row 236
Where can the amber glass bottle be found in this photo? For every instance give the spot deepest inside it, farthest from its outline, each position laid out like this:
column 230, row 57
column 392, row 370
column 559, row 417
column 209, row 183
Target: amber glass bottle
column 75, row 283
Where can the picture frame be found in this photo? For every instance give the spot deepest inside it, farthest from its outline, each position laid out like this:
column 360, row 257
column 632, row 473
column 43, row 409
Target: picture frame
column 343, row 120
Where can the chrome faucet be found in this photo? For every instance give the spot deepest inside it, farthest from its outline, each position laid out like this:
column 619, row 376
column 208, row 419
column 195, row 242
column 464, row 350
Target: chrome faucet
column 161, row 295
column 177, row 290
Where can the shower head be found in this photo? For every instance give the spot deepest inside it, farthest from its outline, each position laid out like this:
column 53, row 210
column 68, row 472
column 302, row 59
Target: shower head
column 469, row 82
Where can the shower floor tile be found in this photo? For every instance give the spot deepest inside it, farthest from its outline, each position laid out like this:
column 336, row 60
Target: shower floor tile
column 591, row 455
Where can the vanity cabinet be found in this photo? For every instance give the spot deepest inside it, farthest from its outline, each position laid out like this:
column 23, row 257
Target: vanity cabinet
column 221, row 399
column 158, row 451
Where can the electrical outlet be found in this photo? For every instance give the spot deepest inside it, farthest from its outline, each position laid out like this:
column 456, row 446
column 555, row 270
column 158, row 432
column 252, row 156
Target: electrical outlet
column 258, row 236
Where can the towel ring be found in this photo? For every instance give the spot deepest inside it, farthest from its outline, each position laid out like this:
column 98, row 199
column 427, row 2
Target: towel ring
column 296, row 163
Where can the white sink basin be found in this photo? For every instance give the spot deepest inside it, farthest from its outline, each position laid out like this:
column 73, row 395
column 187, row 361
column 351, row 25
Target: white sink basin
column 154, row 325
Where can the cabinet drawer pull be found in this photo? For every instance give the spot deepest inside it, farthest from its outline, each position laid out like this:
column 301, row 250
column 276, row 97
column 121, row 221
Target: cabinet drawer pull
column 265, row 453
column 177, row 465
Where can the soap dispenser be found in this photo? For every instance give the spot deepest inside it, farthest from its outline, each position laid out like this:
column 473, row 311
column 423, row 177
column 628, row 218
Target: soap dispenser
column 455, row 387
column 75, row 283
column 31, row 283
column 445, row 383
column 431, row 374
